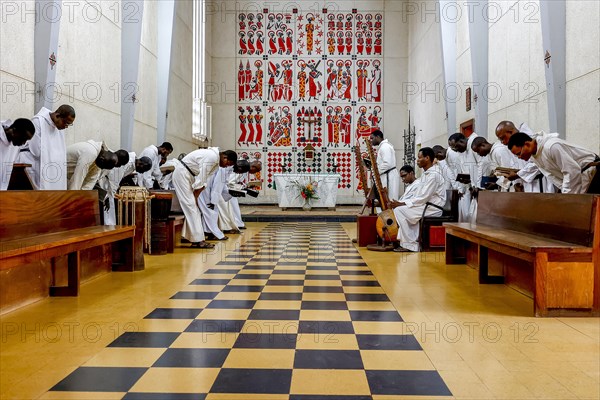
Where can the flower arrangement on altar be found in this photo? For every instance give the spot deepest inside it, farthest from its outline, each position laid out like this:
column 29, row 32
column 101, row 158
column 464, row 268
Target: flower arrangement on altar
column 308, row 191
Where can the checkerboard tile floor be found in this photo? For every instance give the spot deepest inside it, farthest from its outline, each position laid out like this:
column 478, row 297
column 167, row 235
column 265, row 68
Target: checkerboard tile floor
column 294, row 313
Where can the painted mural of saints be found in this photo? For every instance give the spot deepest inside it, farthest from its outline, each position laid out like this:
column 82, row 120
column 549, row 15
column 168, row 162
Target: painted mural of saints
column 310, row 28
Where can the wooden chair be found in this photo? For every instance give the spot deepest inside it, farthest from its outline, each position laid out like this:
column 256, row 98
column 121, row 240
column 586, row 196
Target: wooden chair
column 449, row 214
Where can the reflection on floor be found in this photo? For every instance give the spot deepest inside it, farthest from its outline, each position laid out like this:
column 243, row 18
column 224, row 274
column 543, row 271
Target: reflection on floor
column 293, row 311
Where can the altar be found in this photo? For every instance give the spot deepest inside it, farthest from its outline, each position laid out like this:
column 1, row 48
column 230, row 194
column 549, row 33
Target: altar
column 288, row 194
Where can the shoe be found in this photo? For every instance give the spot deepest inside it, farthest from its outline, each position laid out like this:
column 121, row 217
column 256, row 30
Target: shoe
column 401, row 250
column 242, row 228
column 202, row 245
column 211, row 237
column 232, row 232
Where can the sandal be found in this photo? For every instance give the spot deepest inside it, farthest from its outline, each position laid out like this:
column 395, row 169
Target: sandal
column 212, row 237
column 202, row 245
column 402, row 250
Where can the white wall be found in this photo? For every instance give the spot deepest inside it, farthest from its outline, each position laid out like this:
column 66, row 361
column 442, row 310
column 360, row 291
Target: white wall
column 516, row 69
column 89, row 70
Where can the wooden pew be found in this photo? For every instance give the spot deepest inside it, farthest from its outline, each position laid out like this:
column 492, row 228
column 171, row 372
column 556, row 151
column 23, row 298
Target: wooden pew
column 43, row 227
column 547, row 246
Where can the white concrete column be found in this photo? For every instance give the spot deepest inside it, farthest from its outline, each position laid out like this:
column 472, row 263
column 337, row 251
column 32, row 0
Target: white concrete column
column 479, row 38
column 47, row 26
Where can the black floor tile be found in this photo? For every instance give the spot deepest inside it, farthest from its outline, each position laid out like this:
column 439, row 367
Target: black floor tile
column 233, row 262
column 292, row 263
column 366, row 297
column 215, row 325
column 274, row 315
column 356, row 273
column 145, row 339
column 360, row 283
column 321, row 268
column 286, row 282
column 203, row 281
column 194, row 295
column 388, row 342
column 242, row 288
column 266, row 340
column 280, row 296
column 222, row 271
column 261, row 267
column 164, row 396
column 407, row 383
column 235, row 304
column 252, row 276
column 323, row 289
column 325, row 327
column 324, row 305
column 325, row 258
column 100, row 379
column 332, row 277
column 192, row 358
column 267, row 381
column 388, row 316
column 174, row 313
column 328, row 359
column 351, row 264
column 321, row 397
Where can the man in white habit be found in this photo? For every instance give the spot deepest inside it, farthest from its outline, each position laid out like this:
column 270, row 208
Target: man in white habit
column 430, row 187
column 47, row 151
column 529, row 173
column 500, row 156
column 386, row 164
column 208, row 202
column 156, row 154
column 227, row 221
column 407, row 174
column 12, row 136
column 190, row 179
column 469, row 163
column 240, row 181
column 85, row 162
column 448, row 173
column 571, row 168
column 111, row 182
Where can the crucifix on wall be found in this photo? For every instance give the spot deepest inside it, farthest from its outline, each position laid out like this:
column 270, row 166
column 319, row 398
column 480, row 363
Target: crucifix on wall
column 311, row 119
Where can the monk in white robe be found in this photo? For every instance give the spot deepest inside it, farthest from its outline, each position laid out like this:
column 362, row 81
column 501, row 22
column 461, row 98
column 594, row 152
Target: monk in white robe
column 500, row 156
column 407, row 175
column 47, row 151
column 111, row 182
column 534, row 181
column 209, row 205
column 190, row 179
column 240, row 181
column 386, row 164
column 85, row 162
column 12, row 136
column 156, row 154
column 571, row 168
column 430, row 187
column 448, row 173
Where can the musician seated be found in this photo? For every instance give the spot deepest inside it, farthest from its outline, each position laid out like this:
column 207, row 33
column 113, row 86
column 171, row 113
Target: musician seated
column 430, row 187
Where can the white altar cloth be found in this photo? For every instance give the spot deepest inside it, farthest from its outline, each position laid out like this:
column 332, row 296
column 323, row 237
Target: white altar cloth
column 288, row 195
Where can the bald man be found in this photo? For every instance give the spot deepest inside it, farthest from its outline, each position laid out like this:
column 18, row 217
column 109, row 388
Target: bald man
column 569, row 167
column 529, row 173
column 47, row 150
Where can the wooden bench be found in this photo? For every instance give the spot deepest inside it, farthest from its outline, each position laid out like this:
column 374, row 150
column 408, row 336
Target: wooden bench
column 37, row 226
column 175, row 223
column 547, row 246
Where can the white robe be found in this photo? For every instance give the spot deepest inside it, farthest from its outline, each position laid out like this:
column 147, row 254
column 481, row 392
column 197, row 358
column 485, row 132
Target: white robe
column 167, row 180
column 212, row 195
column 110, row 181
column 226, row 217
column 562, row 163
column 386, row 160
column 430, row 187
column 456, row 162
column 47, row 154
column 82, row 171
column 154, row 174
column 8, row 155
column 449, row 175
column 236, row 181
column 203, row 163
